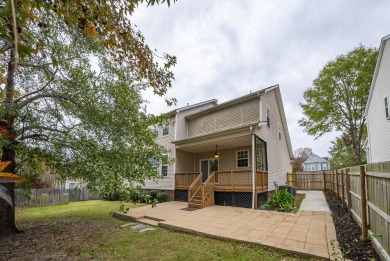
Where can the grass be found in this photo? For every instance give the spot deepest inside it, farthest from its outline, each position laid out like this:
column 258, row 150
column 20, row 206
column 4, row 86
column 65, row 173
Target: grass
column 111, row 242
column 92, row 209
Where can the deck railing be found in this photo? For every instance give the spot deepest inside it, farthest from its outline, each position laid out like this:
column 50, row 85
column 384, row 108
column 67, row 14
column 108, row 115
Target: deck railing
column 208, row 191
column 184, row 180
column 195, row 187
column 240, row 181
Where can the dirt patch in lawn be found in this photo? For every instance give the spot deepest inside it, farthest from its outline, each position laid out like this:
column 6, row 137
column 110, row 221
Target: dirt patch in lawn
column 348, row 232
column 53, row 239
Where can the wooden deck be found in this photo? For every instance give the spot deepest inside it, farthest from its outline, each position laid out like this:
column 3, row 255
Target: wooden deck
column 226, row 181
column 201, row 195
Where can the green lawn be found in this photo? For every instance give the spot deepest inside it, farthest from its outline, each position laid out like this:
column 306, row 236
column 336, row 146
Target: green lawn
column 85, row 230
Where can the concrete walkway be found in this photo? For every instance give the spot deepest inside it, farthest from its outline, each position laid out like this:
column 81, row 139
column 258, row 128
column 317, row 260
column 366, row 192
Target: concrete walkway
column 306, row 232
column 314, row 201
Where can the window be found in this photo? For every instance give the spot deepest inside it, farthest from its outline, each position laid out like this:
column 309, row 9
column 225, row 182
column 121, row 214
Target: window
column 154, row 129
column 153, row 162
column 268, row 118
column 387, row 108
column 165, row 130
column 261, row 155
column 279, row 132
column 324, row 166
column 242, row 158
column 73, row 185
column 164, row 166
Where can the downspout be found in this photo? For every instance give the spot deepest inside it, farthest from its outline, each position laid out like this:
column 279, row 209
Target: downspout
column 253, row 168
column 174, row 146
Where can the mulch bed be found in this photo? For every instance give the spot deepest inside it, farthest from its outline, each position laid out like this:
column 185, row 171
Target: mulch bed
column 348, row 232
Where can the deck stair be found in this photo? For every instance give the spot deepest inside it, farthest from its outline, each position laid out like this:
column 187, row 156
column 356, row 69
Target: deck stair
column 201, row 195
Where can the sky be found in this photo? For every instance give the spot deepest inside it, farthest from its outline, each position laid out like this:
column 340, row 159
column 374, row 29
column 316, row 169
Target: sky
column 227, row 48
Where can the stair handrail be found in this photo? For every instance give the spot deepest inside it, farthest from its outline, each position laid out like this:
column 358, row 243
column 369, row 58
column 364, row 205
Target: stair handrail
column 210, row 182
column 193, row 184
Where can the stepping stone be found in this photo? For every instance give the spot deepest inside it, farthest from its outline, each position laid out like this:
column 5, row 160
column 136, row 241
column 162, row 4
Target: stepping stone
column 138, row 227
column 147, row 229
column 128, row 224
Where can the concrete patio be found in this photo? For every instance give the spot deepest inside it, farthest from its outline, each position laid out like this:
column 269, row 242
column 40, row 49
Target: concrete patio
column 306, row 232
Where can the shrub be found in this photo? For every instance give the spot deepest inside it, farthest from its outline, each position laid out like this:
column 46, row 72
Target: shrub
column 282, row 200
column 111, row 196
column 162, row 197
column 153, row 194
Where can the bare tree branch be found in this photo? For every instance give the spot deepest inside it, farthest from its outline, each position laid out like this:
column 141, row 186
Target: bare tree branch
column 39, row 90
column 46, row 95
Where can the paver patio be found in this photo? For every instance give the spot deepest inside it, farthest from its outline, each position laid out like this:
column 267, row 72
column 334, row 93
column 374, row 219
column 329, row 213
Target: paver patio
column 307, row 232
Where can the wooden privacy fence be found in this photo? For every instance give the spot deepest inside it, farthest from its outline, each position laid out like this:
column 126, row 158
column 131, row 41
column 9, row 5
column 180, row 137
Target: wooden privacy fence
column 366, row 192
column 51, row 196
column 315, row 180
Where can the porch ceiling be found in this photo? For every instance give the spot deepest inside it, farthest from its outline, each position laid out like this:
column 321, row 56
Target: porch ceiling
column 208, row 143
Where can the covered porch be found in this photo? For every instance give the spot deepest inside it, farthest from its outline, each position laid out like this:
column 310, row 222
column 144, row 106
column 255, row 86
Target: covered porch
column 225, row 168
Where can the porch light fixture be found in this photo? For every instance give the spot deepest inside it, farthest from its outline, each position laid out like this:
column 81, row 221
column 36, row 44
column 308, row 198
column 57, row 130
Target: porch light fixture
column 216, row 154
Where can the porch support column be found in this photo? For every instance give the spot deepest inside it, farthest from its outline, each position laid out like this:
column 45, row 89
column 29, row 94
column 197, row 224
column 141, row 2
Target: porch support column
column 253, row 172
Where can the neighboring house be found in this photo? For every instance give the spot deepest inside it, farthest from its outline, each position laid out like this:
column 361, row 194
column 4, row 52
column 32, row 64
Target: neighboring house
column 377, row 111
column 315, row 163
column 228, row 154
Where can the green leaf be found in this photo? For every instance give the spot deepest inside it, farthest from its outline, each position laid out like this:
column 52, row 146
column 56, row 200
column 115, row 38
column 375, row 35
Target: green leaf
column 6, row 11
column 4, row 194
column 25, row 51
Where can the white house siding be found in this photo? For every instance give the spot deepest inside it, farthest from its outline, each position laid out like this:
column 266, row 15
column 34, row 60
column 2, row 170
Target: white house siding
column 278, row 157
column 226, row 161
column 224, row 118
column 181, row 123
column 165, row 183
column 378, row 125
column 185, row 161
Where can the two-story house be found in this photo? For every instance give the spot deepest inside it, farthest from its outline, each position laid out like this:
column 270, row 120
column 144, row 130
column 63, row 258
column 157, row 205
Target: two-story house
column 231, row 153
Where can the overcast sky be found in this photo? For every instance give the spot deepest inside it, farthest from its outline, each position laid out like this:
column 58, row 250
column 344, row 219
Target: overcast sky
column 227, row 48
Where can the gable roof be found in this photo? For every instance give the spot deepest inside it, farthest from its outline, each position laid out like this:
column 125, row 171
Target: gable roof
column 231, row 102
column 378, row 62
column 250, row 96
column 173, row 112
column 314, row 158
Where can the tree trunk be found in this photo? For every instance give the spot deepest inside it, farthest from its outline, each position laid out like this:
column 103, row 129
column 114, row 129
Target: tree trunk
column 7, row 212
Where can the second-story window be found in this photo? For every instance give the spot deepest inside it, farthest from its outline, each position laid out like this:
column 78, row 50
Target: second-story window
column 165, row 130
column 154, row 128
column 268, row 118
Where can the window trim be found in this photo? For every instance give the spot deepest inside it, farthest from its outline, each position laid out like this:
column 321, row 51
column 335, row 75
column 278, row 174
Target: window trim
column 247, row 151
column 168, row 128
column 267, row 114
column 164, row 165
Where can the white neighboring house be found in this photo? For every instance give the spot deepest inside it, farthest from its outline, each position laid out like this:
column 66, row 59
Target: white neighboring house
column 377, row 144
column 315, row 163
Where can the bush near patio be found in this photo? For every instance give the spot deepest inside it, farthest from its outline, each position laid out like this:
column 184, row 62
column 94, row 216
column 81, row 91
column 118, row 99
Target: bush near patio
column 282, row 201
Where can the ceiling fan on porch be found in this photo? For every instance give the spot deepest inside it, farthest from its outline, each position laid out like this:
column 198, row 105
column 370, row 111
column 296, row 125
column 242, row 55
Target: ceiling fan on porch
column 216, row 154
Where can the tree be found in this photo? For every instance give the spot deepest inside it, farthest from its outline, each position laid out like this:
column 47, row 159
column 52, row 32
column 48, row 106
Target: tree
column 71, row 74
column 338, row 97
column 300, row 155
column 342, row 154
